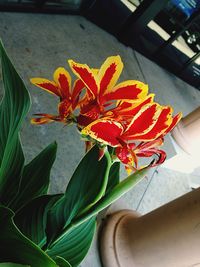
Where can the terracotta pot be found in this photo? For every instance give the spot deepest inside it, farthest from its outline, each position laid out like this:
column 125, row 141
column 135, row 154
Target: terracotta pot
column 166, row 237
column 186, row 133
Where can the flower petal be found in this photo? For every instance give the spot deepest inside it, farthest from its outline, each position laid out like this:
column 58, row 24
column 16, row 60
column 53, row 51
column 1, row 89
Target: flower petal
column 84, row 121
column 150, row 144
column 63, row 79
column 77, row 88
column 130, row 108
column 91, row 110
column 124, row 155
column 149, row 149
column 128, row 157
column 47, row 85
column 104, row 130
column 129, row 90
column 64, row 108
column 163, row 122
column 40, row 121
column 143, row 122
column 161, row 156
column 86, row 75
column 174, row 122
column 45, row 118
column 109, row 73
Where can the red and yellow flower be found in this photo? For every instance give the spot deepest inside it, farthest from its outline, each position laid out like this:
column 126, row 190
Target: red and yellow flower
column 120, row 115
column 68, row 95
column 102, row 90
column 147, row 122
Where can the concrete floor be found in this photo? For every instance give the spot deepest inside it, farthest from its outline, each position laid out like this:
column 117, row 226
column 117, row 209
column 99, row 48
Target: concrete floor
column 37, row 45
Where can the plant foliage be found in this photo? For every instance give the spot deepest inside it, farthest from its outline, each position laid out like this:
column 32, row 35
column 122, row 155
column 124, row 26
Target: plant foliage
column 38, row 229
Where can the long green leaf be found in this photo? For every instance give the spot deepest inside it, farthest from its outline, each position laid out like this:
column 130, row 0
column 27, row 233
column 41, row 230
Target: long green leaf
column 78, row 223
column 118, row 191
column 35, row 177
column 86, row 187
column 13, row 109
column 113, row 178
column 75, row 244
column 15, row 247
column 31, row 219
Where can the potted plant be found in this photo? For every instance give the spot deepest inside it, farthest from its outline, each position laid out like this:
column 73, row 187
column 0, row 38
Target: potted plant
column 39, row 229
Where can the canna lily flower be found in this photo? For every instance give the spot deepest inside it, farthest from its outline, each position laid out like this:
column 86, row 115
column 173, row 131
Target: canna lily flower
column 102, row 89
column 149, row 122
column 120, row 115
column 60, row 87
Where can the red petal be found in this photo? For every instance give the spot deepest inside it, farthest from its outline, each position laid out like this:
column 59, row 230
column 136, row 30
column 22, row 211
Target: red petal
column 77, row 88
column 63, row 79
column 142, row 122
column 122, row 154
column 131, row 108
column 175, row 120
column 162, row 123
column 107, row 77
column 151, row 144
column 148, row 149
column 153, row 151
column 40, row 121
column 127, row 156
column 130, row 90
column 47, row 85
column 162, row 157
column 45, row 118
column 64, row 108
column 84, row 121
column 86, row 75
column 109, row 73
column 105, row 131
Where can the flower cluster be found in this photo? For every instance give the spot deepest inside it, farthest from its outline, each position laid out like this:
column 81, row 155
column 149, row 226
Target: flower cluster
column 123, row 116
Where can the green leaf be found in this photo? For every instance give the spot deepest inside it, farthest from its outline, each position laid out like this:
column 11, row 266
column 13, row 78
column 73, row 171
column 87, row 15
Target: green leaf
column 113, row 178
column 11, row 264
column 75, row 243
column 86, row 187
column 35, row 177
column 15, row 247
column 118, row 191
column 62, row 262
column 81, row 223
column 31, row 219
column 13, row 109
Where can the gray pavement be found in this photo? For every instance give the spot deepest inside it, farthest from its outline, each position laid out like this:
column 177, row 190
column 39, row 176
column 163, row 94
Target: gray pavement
column 40, row 43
